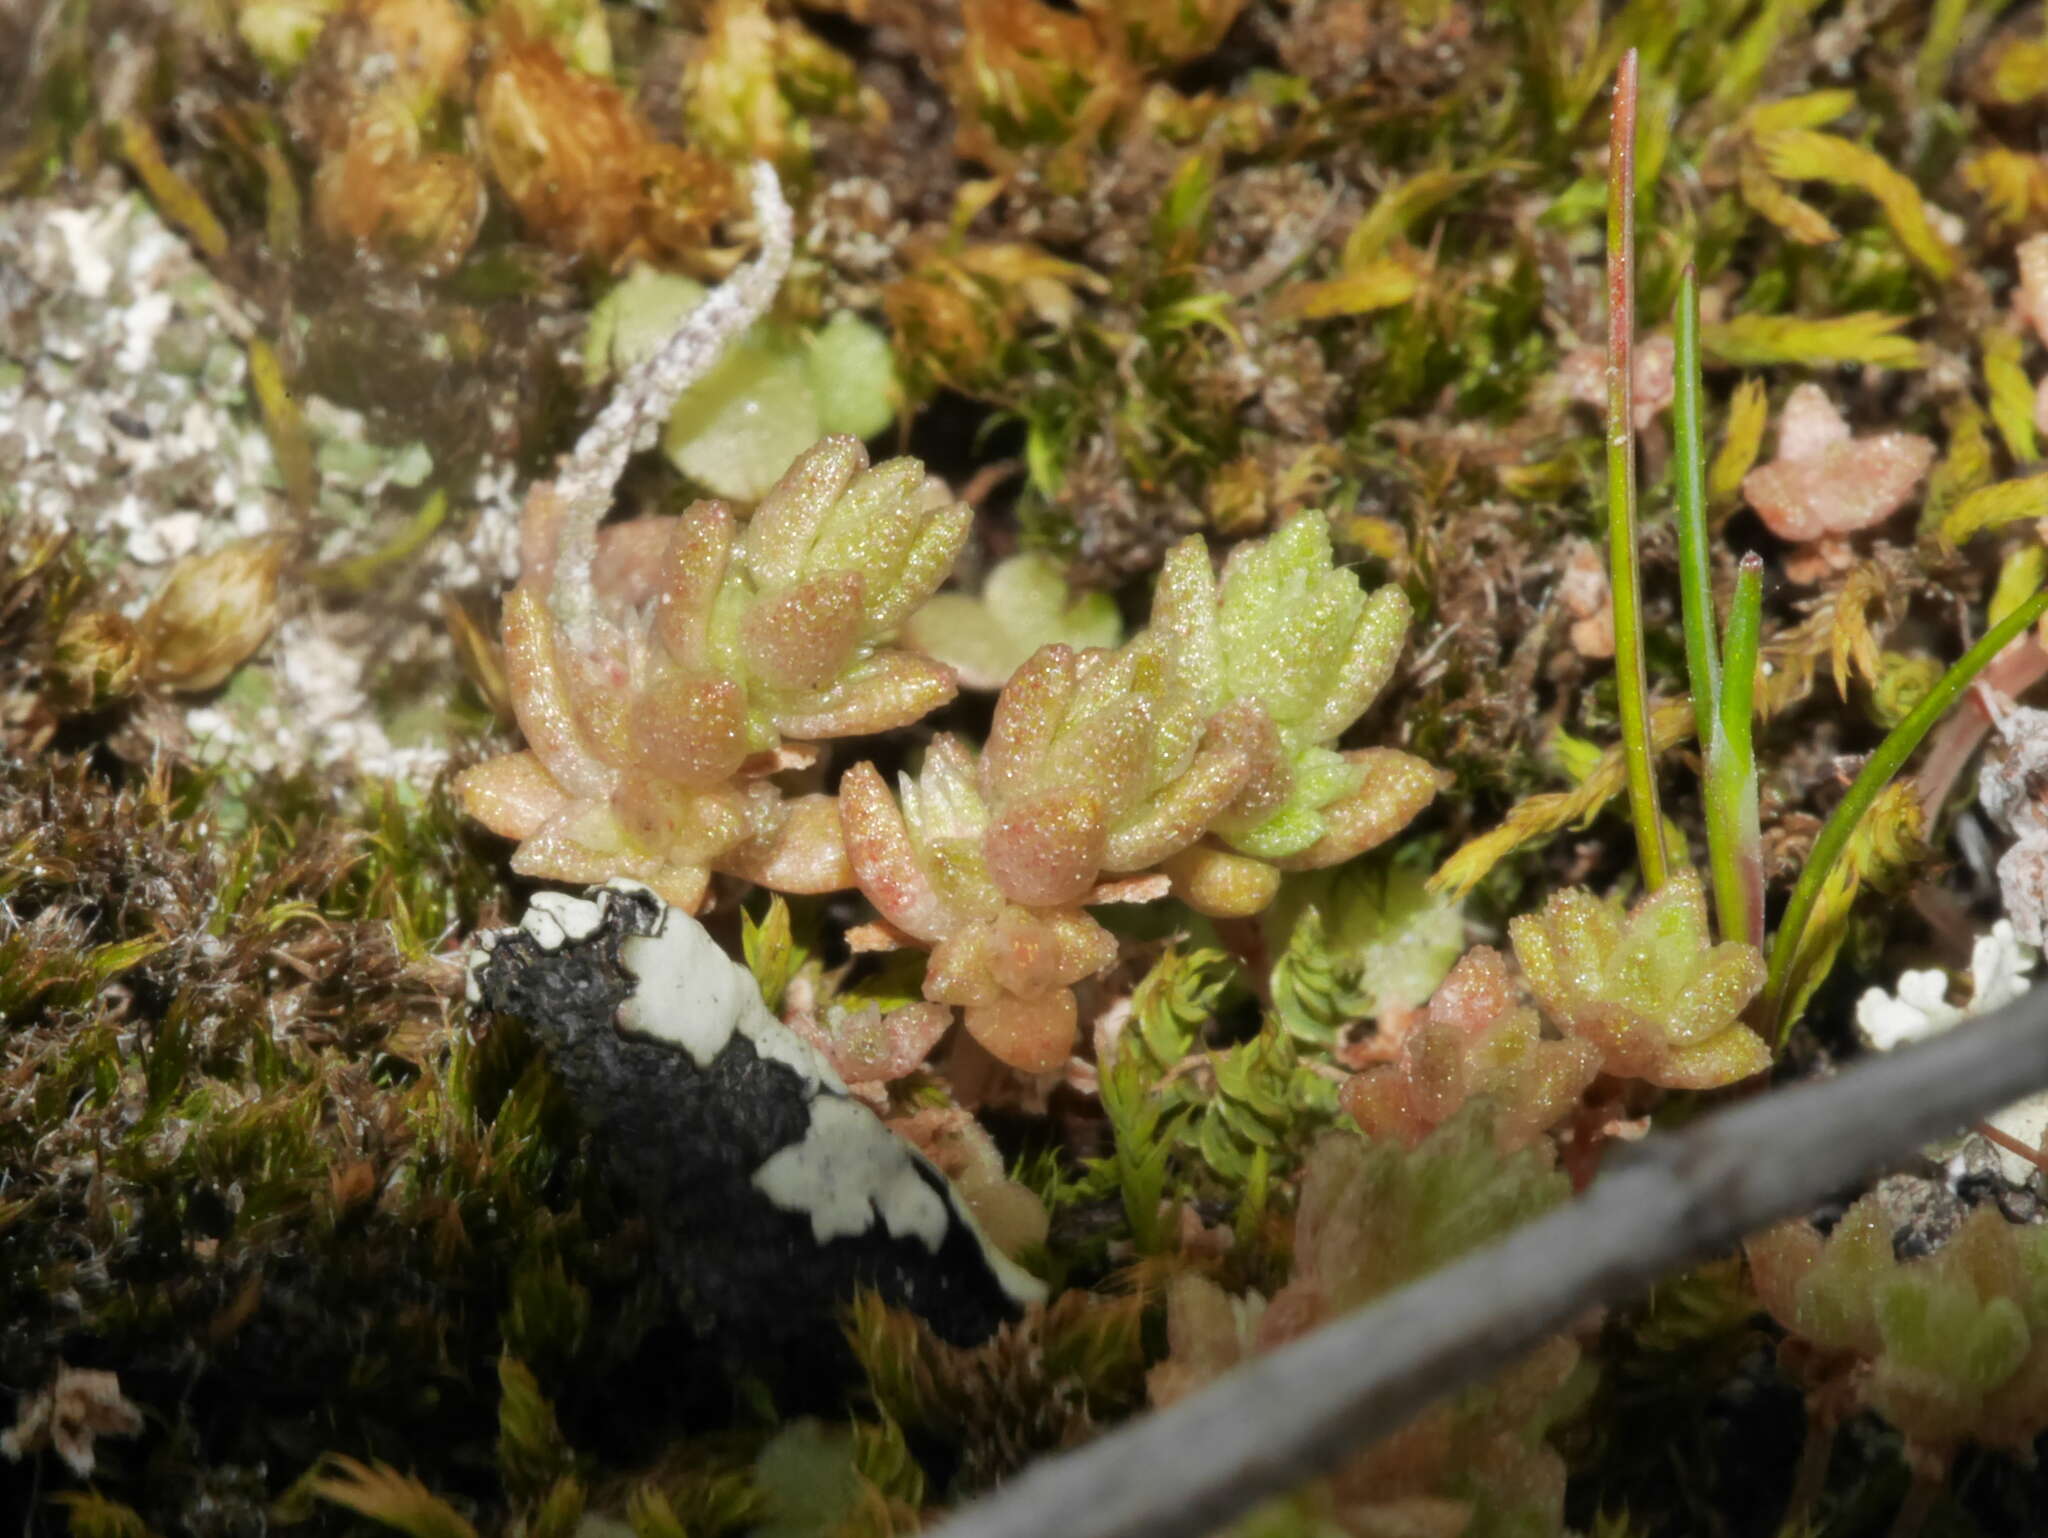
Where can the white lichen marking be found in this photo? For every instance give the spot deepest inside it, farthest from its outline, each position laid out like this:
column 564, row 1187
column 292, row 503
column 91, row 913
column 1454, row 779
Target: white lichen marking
column 686, row 991
column 849, row 1172
column 556, row 919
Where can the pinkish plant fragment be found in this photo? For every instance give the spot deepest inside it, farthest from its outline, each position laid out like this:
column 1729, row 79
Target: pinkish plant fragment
column 1202, row 747
column 1647, row 989
column 2030, row 298
column 1583, row 373
column 1477, row 1039
column 1826, row 484
column 871, row 1048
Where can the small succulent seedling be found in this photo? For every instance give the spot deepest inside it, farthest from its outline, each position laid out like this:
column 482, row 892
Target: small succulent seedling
column 1202, row 748
column 1649, row 990
column 654, row 725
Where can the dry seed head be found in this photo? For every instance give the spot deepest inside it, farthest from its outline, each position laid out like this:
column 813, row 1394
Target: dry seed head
column 213, row 612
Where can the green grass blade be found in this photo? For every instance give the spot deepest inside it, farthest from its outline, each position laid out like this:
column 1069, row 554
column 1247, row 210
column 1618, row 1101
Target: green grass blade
column 1734, row 841
column 1689, row 513
column 1890, row 757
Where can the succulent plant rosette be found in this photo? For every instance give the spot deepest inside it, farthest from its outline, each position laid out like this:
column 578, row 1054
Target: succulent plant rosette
column 697, row 660
column 1198, row 758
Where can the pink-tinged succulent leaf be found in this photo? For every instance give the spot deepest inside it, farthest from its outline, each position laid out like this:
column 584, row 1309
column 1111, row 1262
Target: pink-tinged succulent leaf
column 1222, row 883
column 927, row 563
column 1028, row 716
column 1034, row 1035
column 853, row 528
column 1475, row 1040
column 1475, row 992
column 690, row 728
column 883, row 859
column 699, row 552
column 1728, row 977
column 540, row 533
column 663, row 820
column 1244, row 726
column 870, row 1047
column 603, row 689
column 1728, row 1057
column 805, row 854
column 803, row 638
column 541, row 699
column 1046, row 851
column 944, row 804
column 958, row 971
column 889, row 690
column 629, row 566
column 1105, row 751
column 1396, row 787
column 1365, row 666
column 873, row 525
column 514, row 796
column 1031, row 953
column 786, row 524
column 1184, row 621
column 582, row 843
column 1183, row 811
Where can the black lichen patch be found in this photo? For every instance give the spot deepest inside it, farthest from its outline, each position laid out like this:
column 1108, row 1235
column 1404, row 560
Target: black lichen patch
column 688, row 1140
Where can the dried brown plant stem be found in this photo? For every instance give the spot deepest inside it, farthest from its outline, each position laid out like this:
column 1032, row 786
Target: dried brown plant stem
column 1291, row 1415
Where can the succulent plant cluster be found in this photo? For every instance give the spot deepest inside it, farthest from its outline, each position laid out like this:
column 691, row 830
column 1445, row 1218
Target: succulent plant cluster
column 1638, row 996
column 1198, row 757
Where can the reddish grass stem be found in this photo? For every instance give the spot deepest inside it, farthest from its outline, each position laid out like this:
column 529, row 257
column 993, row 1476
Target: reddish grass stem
column 1631, row 676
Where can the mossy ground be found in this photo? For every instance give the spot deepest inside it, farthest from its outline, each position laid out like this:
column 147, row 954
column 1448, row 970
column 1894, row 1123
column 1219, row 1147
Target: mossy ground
column 253, row 1158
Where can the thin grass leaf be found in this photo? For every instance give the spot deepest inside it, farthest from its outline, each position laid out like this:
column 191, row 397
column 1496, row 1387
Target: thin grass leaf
column 1734, row 840
column 1689, row 512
